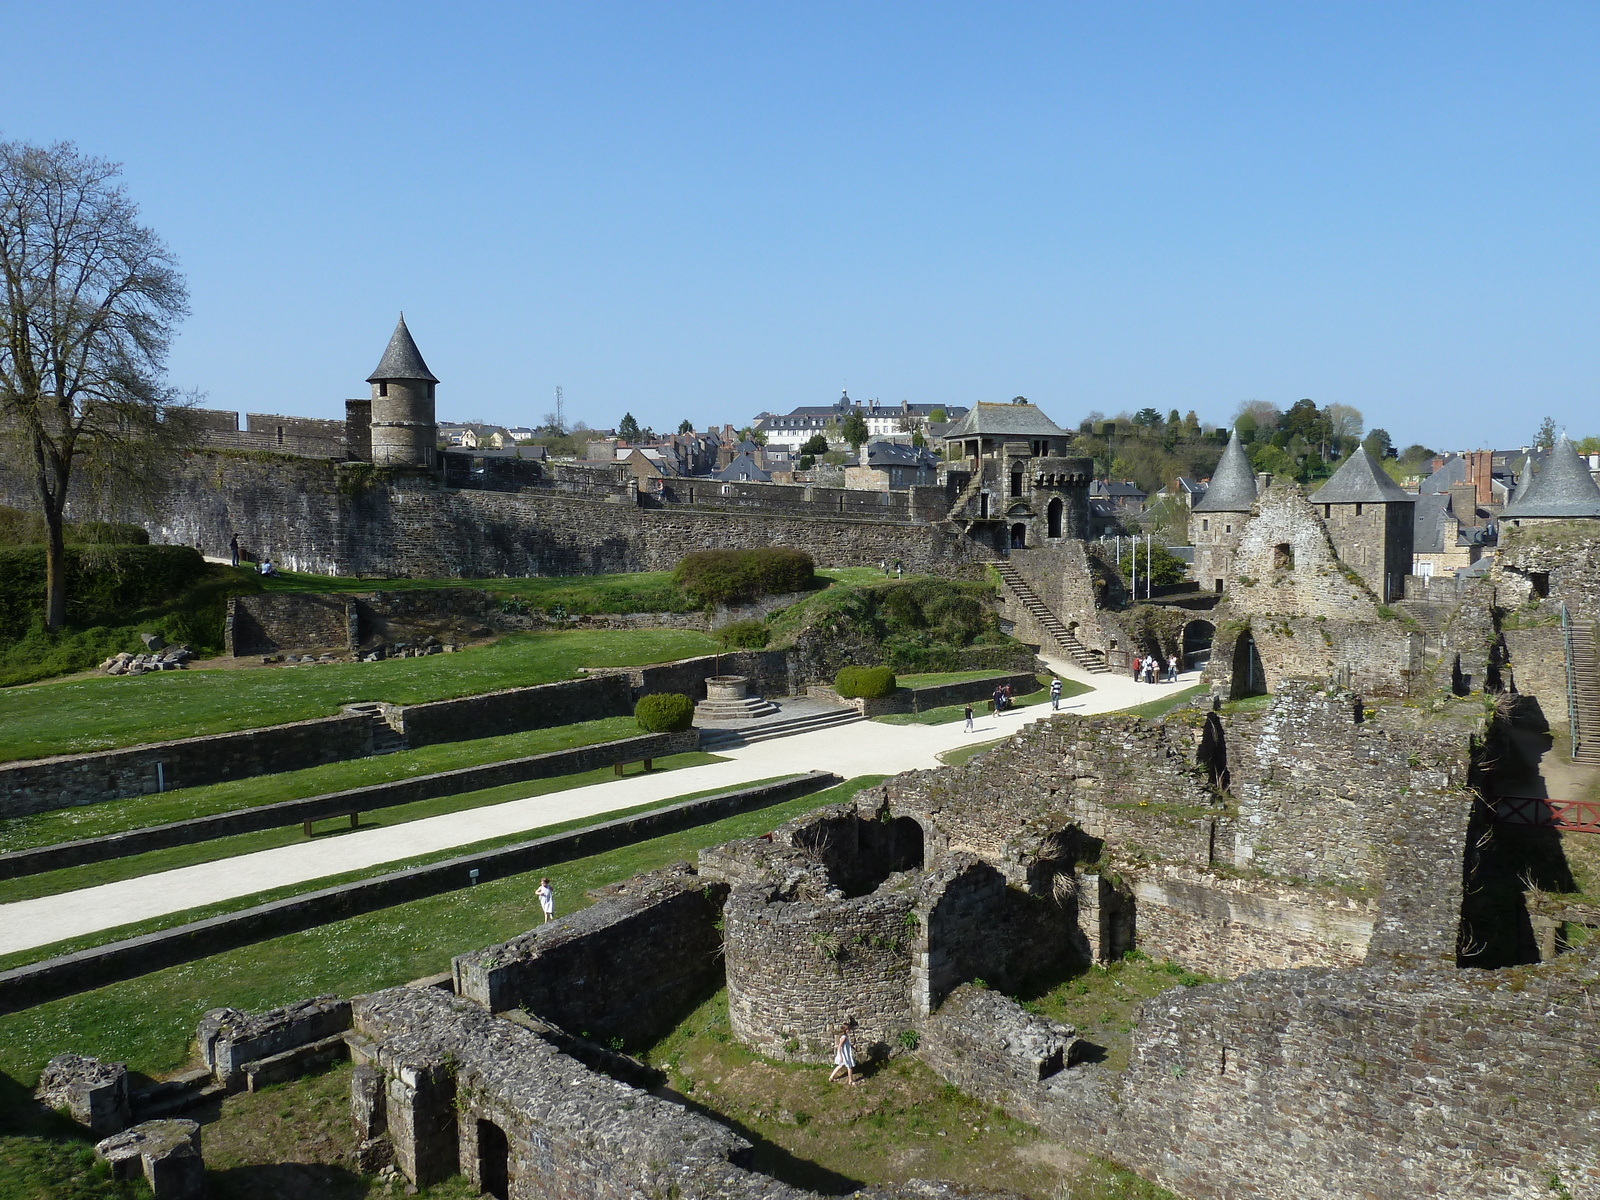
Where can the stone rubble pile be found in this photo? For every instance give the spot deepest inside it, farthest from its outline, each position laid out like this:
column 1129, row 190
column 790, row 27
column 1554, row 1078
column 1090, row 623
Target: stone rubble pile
column 167, row 658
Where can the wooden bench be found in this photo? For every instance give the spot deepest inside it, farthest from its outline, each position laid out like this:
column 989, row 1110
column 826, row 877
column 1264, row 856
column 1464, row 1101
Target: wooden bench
column 355, row 820
column 616, row 768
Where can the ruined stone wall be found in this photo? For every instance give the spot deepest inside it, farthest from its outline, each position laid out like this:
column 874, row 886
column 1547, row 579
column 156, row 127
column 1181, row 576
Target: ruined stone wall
column 799, row 968
column 1286, row 566
column 273, row 621
column 1079, row 588
column 1331, row 1084
column 1230, row 926
column 1562, row 558
column 1382, row 657
column 625, row 967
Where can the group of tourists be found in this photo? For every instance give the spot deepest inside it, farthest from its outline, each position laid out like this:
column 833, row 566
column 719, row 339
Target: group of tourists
column 1148, row 667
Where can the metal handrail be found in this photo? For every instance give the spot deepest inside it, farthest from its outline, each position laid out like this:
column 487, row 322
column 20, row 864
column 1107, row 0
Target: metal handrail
column 1572, row 677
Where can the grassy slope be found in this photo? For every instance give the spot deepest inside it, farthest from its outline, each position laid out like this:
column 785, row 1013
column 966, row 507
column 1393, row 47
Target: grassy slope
column 148, row 1022
column 137, row 812
column 50, row 883
column 98, row 714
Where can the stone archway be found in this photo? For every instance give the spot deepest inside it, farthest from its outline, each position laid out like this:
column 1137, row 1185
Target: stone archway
column 1053, row 517
column 1196, row 649
column 1019, row 536
column 494, row 1160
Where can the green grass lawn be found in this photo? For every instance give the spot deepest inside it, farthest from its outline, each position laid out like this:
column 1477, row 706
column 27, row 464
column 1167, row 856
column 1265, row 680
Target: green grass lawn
column 1100, row 1002
column 1165, row 702
column 81, row 715
column 137, row 812
column 50, row 883
column 637, row 591
column 149, row 1022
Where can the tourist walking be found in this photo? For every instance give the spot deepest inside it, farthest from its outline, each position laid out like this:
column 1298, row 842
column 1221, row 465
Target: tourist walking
column 233, row 549
column 844, row 1057
column 1172, row 668
column 969, row 718
column 1138, row 664
column 1055, row 695
column 1150, row 668
column 547, row 898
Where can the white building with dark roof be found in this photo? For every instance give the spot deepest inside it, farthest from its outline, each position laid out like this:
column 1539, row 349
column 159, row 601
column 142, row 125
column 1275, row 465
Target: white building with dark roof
column 794, row 429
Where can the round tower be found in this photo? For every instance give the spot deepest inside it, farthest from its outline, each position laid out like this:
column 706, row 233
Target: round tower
column 404, row 432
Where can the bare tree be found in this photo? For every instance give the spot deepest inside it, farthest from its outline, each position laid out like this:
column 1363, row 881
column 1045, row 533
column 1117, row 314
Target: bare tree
column 88, row 302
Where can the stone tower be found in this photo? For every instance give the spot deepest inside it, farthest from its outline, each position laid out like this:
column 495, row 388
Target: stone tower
column 404, row 432
column 1372, row 523
column 1218, row 517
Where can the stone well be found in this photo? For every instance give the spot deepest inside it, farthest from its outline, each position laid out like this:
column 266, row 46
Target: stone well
column 728, row 698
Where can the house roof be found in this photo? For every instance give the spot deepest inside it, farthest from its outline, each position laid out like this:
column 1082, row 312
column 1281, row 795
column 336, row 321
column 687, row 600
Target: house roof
column 401, row 359
column 1361, row 481
column 1233, row 483
column 1011, row 420
column 1563, row 488
column 1428, row 522
column 743, row 468
column 1116, row 487
column 1453, row 472
column 893, row 454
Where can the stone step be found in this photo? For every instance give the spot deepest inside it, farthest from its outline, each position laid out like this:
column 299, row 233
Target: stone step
column 750, row 708
column 727, row 739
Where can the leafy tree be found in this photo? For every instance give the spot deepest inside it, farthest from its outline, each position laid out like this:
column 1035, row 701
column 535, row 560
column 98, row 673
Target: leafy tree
column 1245, row 426
column 1264, row 416
column 628, row 428
column 1302, row 418
column 1173, row 419
column 1344, row 421
column 1191, row 424
column 1379, row 444
column 937, row 416
column 1158, row 563
column 1545, row 439
column 918, row 438
column 686, row 426
column 1588, row 445
column 751, row 434
column 1145, row 418
column 89, row 299
column 854, row 429
column 816, row 444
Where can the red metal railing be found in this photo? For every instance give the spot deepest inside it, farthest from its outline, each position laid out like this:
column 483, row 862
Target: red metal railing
column 1580, row 816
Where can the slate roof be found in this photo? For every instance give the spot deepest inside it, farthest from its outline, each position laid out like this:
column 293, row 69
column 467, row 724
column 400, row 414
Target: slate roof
column 743, row 468
column 1563, row 488
column 1005, row 420
column 401, row 359
column 1453, row 472
column 892, row 454
column 1428, row 522
column 1361, row 481
column 1233, row 483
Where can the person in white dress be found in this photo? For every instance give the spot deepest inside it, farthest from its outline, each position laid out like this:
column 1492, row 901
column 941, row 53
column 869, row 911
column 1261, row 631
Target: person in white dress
column 844, row 1057
column 547, row 899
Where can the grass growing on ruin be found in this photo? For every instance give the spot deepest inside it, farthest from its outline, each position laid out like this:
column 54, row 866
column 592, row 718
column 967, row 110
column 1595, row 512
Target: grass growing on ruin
column 138, row 812
column 50, row 883
column 81, row 715
column 962, row 754
column 1101, row 1001
column 148, row 1022
column 903, row 1122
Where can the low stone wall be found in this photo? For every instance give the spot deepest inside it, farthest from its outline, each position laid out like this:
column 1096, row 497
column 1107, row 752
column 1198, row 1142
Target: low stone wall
column 69, row 974
column 274, row 621
column 992, row 1048
column 43, row 784
column 625, row 967
column 363, row 799
column 514, row 710
column 230, row 1039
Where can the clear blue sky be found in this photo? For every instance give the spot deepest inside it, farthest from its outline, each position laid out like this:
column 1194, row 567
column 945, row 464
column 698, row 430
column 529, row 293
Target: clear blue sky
column 705, row 211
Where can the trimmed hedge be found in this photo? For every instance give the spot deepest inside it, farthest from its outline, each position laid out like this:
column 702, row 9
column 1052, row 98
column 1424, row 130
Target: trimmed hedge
column 745, row 635
column 664, row 712
column 739, row 576
column 864, row 683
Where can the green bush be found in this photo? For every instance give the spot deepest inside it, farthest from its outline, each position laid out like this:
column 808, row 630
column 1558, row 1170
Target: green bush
column 865, row 683
column 21, row 528
column 103, row 582
column 664, row 712
column 745, row 635
column 739, row 576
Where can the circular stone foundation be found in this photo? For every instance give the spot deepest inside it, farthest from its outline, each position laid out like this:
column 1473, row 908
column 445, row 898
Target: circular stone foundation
column 727, row 687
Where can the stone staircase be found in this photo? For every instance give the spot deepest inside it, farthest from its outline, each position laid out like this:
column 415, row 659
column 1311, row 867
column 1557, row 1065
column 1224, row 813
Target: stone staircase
column 1425, row 616
column 958, row 510
column 730, row 739
column 1049, row 622
column 386, row 739
column 745, row 708
column 1584, row 682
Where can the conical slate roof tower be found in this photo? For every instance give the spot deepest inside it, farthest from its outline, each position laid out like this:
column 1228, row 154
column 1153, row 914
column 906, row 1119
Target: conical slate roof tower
column 1563, row 490
column 404, row 432
column 1233, row 483
column 1360, row 480
column 401, row 358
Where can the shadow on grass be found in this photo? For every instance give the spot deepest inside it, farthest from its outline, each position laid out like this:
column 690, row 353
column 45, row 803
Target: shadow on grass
column 288, row 1181
column 767, row 1157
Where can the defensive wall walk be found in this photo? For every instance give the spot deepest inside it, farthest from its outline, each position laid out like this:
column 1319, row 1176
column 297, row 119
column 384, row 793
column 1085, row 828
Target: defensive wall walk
column 866, row 748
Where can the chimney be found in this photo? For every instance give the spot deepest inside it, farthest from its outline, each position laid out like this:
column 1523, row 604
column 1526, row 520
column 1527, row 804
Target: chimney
column 1263, row 481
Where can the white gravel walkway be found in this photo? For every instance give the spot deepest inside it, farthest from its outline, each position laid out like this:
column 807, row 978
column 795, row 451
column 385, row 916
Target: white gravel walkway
column 865, row 748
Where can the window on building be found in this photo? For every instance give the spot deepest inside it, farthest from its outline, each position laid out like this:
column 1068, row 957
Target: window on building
column 280, row 435
column 1358, row 510
column 383, row 388
column 1205, row 524
column 1327, row 510
column 1283, row 557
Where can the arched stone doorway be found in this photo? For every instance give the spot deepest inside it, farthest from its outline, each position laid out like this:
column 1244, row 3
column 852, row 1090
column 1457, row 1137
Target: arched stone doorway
column 1019, row 536
column 1249, row 677
column 1053, row 517
column 1197, row 637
